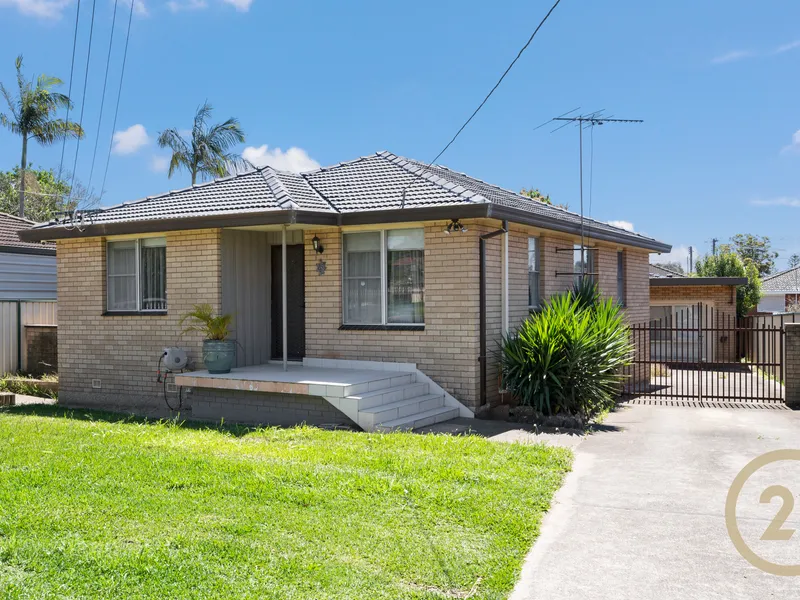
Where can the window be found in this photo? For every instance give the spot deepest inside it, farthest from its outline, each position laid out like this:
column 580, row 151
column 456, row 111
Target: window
column 384, row 277
column 137, row 275
column 589, row 265
column 534, row 296
column 621, row 277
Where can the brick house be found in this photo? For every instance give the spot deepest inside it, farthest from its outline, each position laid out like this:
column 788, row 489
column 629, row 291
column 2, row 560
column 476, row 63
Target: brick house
column 781, row 291
column 392, row 310
column 678, row 302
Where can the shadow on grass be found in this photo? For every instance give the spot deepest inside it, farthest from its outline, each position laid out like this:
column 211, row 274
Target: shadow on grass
column 92, row 415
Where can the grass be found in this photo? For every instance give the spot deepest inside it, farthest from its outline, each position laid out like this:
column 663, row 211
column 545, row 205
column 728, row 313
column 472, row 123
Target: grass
column 97, row 505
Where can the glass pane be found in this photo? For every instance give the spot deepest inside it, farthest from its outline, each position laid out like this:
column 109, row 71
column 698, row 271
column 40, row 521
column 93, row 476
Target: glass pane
column 533, row 289
column 154, row 242
column 405, row 239
column 533, row 272
column 406, row 286
column 589, row 262
column 154, row 277
column 362, row 301
column 362, row 278
column 121, row 265
column 362, row 242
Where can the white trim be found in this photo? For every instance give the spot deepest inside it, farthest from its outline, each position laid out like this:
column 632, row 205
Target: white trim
column 137, row 275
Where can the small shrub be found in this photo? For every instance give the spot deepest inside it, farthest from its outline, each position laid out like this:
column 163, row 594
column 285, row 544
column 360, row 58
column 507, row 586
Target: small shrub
column 28, row 387
column 569, row 357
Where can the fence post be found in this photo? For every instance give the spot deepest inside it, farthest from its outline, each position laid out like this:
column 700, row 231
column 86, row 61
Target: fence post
column 792, row 367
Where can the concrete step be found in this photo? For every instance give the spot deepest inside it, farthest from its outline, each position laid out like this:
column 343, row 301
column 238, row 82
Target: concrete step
column 423, row 419
column 382, row 381
column 410, row 407
column 392, row 394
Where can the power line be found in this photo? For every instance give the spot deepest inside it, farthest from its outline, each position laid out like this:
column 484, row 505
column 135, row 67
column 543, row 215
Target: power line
column 69, row 92
column 489, row 95
column 103, row 97
column 119, row 95
column 83, row 100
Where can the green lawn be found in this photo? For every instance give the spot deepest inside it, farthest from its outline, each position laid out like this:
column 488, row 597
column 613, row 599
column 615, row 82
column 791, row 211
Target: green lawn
column 93, row 505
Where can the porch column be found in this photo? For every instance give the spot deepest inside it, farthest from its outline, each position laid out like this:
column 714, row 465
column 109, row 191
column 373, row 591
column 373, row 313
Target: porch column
column 284, row 311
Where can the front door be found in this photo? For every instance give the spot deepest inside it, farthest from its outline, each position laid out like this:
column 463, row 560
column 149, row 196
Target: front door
column 295, row 302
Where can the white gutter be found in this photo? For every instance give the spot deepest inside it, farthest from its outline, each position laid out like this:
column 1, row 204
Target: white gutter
column 284, row 317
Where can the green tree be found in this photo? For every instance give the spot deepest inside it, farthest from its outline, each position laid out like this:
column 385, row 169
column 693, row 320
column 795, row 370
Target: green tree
column 794, row 261
column 45, row 194
column 205, row 152
column 31, row 116
column 754, row 248
column 728, row 264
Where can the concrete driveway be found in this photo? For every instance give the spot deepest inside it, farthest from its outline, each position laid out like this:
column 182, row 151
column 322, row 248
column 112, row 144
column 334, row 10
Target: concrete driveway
column 642, row 514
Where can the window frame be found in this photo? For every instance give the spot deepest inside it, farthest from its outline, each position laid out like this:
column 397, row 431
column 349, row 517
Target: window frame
column 590, row 260
column 384, row 246
column 621, row 280
column 138, row 279
column 538, row 271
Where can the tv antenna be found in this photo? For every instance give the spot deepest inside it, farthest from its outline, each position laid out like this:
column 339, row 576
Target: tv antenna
column 584, row 121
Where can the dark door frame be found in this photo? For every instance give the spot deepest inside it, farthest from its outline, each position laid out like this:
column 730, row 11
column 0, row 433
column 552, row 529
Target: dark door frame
column 295, row 301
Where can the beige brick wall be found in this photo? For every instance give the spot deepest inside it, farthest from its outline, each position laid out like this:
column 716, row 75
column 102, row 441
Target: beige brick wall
column 446, row 351
column 123, row 351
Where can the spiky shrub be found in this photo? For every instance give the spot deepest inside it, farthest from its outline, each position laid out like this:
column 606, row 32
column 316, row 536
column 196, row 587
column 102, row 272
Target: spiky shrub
column 202, row 319
column 569, row 357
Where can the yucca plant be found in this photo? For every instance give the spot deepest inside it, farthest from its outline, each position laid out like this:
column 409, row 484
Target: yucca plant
column 201, row 318
column 569, row 357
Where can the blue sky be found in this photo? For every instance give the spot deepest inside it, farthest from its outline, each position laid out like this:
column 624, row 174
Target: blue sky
column 715, row 83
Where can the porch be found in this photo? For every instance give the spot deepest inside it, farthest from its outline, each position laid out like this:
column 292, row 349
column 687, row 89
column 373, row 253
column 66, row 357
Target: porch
column 376, row 396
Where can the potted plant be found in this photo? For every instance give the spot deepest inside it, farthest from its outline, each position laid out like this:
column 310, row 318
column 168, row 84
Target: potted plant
column 218, row 351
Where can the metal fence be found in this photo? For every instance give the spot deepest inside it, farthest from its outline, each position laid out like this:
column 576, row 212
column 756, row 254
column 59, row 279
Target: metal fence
column 14, row 316
column 700, row 354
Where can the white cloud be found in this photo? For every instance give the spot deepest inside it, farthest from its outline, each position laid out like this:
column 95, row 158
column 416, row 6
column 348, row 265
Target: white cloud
column 130, row 140
column 679, row 254
column 240, row 5
column 175, row 6
column 159, row 163
column 626, row 225
column 795, row 145
column 44, row 9
column 294, row 159
column 731, row 57
column 787, row 47
column 782, row 201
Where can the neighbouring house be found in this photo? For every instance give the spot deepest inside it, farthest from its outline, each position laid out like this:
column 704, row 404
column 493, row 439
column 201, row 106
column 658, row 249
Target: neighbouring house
column 781, row 292
column 374, row 291
column 27, row 300
column 679, row 302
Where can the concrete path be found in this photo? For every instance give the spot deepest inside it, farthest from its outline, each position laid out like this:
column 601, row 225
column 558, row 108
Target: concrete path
column 642, row 514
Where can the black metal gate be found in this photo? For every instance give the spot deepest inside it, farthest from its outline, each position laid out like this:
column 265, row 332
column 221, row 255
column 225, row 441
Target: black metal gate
column 698, row 353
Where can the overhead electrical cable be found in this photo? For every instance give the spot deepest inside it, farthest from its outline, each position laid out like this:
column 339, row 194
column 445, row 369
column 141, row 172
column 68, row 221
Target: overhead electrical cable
column 69, row 90
column 83, row 100
column 489, row 95
column 103, row 97
column 119, row 95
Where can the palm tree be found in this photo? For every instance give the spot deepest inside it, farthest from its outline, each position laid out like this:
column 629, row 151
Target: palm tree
column 206, row 152
column 31, row 116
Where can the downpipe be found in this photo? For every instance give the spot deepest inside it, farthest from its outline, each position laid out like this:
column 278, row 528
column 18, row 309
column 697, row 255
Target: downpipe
column 482, row 285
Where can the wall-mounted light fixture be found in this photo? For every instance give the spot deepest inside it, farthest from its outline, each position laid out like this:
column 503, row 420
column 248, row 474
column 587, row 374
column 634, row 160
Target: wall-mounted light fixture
column 318, row 248
column 455, row 226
